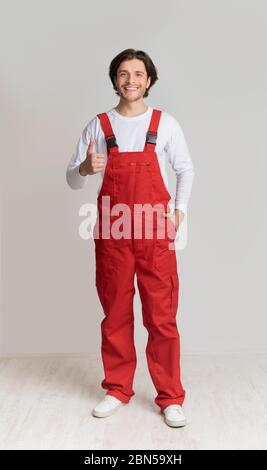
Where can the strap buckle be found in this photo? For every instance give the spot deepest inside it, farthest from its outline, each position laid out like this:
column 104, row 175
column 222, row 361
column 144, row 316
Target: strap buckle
column 151, row 137
column 111, row 141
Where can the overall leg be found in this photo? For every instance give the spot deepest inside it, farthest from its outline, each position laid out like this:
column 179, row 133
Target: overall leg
column 158, row 284
column 115, row 268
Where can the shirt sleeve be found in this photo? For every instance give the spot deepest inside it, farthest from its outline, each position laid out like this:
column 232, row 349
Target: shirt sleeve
column 74, row 179
column 180, row 160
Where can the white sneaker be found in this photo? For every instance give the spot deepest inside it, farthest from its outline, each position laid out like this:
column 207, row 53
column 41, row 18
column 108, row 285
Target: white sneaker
column 174, row 416
column 107, row 406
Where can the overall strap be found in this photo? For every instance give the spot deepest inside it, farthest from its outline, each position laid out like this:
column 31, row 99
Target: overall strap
column 151, row 136
column 109, row 134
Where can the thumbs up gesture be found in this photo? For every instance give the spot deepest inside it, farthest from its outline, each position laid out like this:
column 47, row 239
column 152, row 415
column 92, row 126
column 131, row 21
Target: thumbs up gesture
column 94, row 162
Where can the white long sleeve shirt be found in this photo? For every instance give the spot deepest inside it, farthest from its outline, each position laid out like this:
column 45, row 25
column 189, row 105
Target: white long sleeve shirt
column 130, row 133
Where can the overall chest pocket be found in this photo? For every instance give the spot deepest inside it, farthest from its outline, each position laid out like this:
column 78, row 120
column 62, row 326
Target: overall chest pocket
column 133, row 182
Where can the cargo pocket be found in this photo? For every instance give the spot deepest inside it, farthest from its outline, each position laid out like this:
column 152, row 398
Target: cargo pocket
column 164, row 259
column 105, row 274
column 99, row 279
column 174, row 293
column 99, row 282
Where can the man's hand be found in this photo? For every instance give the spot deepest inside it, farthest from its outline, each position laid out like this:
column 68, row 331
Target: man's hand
column 177, row 218
column 94, row 162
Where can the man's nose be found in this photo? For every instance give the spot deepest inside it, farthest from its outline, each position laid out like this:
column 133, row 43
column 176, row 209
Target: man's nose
column 130, row 80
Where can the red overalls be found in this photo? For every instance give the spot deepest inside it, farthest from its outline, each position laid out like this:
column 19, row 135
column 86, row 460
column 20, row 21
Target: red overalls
column 135, row 178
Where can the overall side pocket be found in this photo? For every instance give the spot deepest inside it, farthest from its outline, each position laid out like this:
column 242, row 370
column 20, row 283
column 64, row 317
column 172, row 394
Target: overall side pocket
column 174, row 293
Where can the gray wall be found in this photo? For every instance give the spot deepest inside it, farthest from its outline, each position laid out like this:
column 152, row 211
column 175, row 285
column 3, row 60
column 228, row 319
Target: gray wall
column 54, row 78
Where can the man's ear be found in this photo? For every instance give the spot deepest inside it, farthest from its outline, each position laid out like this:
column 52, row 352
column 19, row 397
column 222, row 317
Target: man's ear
column 148, row 82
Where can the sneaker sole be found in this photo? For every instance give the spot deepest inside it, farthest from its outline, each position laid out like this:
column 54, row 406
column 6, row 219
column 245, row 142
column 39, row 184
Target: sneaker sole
column 175, row 424
column 105, row 414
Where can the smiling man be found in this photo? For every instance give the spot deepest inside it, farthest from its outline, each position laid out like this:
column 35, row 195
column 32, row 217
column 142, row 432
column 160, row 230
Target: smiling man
column 129, row 146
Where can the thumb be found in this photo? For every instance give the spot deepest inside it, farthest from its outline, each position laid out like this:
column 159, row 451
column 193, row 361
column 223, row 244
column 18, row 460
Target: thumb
column 90, row 148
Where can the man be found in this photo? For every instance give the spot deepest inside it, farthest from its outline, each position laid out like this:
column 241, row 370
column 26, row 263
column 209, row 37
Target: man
column 129, row 145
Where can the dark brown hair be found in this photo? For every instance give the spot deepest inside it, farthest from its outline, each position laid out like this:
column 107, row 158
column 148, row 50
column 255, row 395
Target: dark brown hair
column 129, row 54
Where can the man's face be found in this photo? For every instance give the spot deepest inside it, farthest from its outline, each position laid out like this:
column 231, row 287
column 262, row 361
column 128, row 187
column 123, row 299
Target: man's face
column 132, row 80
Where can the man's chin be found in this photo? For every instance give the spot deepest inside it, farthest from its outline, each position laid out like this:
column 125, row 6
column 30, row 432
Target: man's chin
column 131, row 99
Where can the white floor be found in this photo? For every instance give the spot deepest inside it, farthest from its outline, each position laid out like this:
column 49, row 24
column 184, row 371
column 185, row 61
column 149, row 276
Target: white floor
column 46, row 403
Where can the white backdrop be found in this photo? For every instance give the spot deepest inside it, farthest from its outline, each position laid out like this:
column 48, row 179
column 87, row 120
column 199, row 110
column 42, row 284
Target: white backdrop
column 210, row 57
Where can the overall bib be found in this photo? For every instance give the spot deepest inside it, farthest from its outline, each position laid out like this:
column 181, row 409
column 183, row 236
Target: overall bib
column 132, row 178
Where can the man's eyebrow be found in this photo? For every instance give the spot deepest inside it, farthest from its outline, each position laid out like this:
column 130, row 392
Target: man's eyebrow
column 122, row 70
